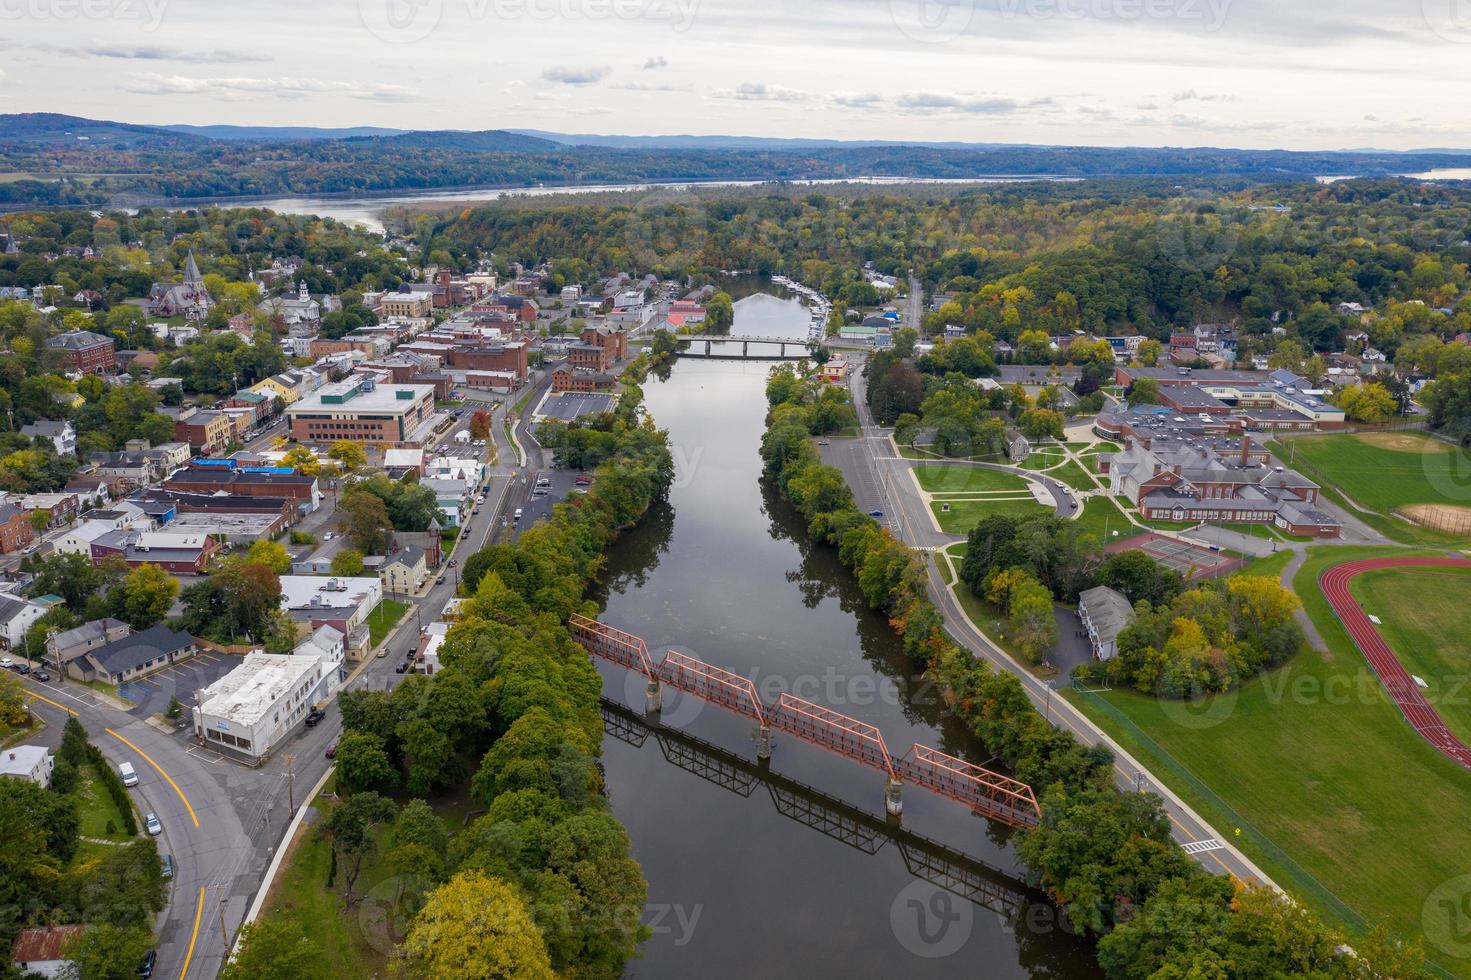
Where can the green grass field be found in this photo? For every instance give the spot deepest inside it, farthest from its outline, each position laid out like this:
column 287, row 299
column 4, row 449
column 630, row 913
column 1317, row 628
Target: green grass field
column 939, row 478
column 1337, row 798
column 966, row 514
column 1043, row 459
column 1102, row 516
column 1426, row 620
column 384, row 618
column 96, row 809
column 1383, row 472
column 1074, row 476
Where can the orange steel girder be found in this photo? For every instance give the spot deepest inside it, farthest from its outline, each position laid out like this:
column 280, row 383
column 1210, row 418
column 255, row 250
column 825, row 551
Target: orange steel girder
column 832, row 730
column 711, row 683
column 612, row 644
column 980, row 788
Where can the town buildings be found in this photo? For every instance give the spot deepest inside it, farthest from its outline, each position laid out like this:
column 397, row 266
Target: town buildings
column 31, row 762
column 63, row 434
column 189, row 298
column 361, row 410
column 85, row 352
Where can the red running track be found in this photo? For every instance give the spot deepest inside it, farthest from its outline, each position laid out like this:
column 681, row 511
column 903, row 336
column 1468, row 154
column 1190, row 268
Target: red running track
column 1392, row 674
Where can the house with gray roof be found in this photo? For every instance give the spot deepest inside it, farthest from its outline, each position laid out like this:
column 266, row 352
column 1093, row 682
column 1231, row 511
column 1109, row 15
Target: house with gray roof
column 136, row 655
column 1104, row 613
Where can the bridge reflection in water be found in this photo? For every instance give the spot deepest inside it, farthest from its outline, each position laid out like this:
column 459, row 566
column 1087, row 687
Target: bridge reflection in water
column 944, row 867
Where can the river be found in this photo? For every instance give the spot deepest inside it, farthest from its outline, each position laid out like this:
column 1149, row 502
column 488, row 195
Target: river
column 752, row 874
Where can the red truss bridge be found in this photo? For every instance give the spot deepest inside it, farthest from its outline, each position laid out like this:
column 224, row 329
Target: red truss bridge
column 988, row 793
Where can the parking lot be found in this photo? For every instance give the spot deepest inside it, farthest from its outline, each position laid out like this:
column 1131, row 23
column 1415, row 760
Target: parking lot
column 151, row 694
column 571, row 405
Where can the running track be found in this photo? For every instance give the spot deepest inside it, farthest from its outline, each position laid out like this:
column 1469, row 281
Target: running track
column 1392, row 674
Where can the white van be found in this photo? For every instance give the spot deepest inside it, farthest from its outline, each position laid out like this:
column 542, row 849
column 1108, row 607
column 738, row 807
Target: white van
column 130, row 777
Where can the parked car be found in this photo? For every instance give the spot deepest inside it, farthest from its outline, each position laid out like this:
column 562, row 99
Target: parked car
column 145, row 969
column 313, row 716
column 402, row 667
column 875, row 513
column 42, row 676
column 452, row 563
column 584, row 480
column 22, row 668
column 128, row 774
column 151, row 824
column 7, row 664
column 332, row 751
column 439, row 580
column 167, row 861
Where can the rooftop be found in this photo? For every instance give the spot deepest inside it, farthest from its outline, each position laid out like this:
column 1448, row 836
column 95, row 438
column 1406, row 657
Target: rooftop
column 245, row 694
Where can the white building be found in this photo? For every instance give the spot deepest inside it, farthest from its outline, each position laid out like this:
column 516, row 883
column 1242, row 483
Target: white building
column 33, row 762
column 254, row 706
column 16, row 616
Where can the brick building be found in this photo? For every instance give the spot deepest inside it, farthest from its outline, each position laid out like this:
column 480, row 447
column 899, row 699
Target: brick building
column 85, row 352
column 364, row 411
column 15, row 529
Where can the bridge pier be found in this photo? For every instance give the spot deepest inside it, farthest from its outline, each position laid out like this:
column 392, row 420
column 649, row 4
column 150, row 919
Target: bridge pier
column 653, row 698
column 781, row 350
column 745, row 348
column 893, row 803
column 763, row 743
column 707, row 348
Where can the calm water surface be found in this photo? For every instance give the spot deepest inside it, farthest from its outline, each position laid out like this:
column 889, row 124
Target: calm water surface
column 755, row 875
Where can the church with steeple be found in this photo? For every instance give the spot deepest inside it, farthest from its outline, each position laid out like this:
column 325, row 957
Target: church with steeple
column 188, row 298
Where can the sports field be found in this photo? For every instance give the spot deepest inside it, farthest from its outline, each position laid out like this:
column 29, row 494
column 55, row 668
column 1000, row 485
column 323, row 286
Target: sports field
column 1337, row 797
column 1384, row 471
column 1424, row 616
column 966, row 514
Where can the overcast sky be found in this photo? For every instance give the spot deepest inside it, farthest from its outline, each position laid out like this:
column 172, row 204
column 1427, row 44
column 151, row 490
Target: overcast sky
column 1265, row 73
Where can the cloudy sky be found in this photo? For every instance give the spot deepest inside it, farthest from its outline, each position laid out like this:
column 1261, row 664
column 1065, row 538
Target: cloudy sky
column 1261, row 73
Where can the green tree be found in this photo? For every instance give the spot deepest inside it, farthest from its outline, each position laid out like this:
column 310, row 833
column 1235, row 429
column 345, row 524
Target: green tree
column 348, row 454
column 719, row 313
column 275, row 947
column 472, row 928
column 363, row 764
column 350, row 828
column 1144, row 391
column 105, row 951
column 363, row 517
column 348, row 563
column 271, row 554
column 146, row 595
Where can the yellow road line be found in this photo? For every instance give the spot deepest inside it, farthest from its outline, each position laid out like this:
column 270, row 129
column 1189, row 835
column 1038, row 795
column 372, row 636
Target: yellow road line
column 42, row 697
column 198, row 915
column 148, row 759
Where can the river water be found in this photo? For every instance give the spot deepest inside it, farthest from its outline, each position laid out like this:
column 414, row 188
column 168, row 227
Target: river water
column 790, row 871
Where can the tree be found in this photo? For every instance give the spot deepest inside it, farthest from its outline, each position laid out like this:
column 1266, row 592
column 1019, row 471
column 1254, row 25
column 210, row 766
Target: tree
column 146, row 594
column 480, row 422
column 303, row 460
column 40, row 520
column 105, row 951
column 349, row 827
column 719, row 313
column 275, row 947
column 1144, row 391
column 271, row 554
column 1149, row 352
column 1041, row 423
column 363, row 764
column 1370, row 402
column 1031, row 621
column 347, row 563
column 472, row 928
column 349, row 455
column 363, row 517
column 13, row 710
column 1138, row 576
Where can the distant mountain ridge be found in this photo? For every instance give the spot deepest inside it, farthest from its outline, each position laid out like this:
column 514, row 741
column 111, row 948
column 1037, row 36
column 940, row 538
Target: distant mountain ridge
column 228, row 132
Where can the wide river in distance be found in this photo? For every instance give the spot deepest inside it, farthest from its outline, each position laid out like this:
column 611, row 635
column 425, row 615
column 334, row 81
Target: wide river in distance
column 791, row 870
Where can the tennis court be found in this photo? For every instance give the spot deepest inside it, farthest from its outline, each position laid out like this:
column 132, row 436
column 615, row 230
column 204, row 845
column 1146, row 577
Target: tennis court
column 1190, row 560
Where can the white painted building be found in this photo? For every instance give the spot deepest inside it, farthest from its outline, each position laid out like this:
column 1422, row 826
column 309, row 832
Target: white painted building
column 253, row 707
column 33, row 762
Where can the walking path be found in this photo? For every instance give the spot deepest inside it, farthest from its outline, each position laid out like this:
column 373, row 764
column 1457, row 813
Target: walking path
column 1397, row 681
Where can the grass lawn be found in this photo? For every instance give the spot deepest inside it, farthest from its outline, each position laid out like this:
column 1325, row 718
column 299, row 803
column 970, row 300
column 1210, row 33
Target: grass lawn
column 1074, row 476
column 1102, row 447
column 1426, row 621
column 960, row 479
column 448, row 538
column 95, row 808
column 1271, row 566
column 384, row 618
column 12, row 735
column 1102, row 516
column 1042, row 459
column 1312, row 761
column 300, row 893
column 1384, row 471
column 966, row 514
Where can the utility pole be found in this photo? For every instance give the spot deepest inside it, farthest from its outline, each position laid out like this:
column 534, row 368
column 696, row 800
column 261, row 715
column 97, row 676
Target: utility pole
column 224, row 933
column 290, row 784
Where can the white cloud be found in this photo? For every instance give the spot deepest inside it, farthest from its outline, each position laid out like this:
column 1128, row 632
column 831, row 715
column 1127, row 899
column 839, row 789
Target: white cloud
column 163, row 52
column 1190, row 95
column 761, row 92
column 856, row 100
column 150, row 83
column 972, row 104
column 575, row 76
column 657, row 61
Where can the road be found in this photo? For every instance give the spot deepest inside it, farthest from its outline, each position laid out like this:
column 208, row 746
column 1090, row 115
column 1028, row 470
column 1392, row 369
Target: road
column 1210, row 848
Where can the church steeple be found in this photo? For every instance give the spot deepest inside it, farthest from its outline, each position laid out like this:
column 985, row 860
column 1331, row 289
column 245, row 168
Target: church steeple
column 191, row 270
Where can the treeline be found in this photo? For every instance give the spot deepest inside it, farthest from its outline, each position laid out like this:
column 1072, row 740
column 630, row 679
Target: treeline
column 514, row 711
column 46, row 878
column 1104, row 855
